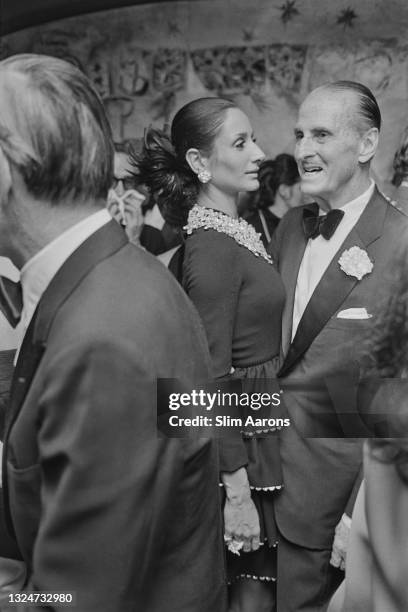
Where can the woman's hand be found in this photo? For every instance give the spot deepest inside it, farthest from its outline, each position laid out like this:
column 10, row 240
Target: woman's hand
column 241, row 520
column 241, row 525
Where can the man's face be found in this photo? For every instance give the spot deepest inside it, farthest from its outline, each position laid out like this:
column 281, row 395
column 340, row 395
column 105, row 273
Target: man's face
column 122, row 172
column 328, row 147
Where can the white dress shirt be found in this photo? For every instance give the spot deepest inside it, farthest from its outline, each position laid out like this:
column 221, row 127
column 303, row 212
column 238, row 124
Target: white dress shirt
column 319, row 253
column 38, row 271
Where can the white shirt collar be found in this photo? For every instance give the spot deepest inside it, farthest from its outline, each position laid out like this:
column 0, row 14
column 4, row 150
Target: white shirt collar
column 356, row 206
column 38, row 271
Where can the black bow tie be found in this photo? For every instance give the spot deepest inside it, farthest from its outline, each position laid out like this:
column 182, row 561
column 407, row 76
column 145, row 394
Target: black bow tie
column 326, row 225
column 11, row 300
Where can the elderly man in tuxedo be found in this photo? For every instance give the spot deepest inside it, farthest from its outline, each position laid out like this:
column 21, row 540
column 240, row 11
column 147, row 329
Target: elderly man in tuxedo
column 336, row 269
column 100, row 505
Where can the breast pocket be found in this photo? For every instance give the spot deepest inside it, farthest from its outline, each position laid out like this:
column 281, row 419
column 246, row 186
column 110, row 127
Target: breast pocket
column 352, row 325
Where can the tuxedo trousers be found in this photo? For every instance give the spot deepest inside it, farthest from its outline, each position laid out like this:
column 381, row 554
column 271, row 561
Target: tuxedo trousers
column 305, row 579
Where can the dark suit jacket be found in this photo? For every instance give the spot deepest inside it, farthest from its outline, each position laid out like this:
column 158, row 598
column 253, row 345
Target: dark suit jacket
column 8, row 544
column 101, row 506
column 321, row 371
column 6, row 374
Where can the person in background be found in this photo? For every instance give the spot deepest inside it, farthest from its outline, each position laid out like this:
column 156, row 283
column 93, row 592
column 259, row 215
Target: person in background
column 100, row 505
column 196, row 174
column 400, row 177
column 133, row 207
column 159, row 234
column 124, row 200
column 279, row 191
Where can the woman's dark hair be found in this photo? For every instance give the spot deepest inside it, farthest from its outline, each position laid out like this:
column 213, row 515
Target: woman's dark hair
column 162, row 165
column 400, row 164
column 387, row 358
column 282, row 170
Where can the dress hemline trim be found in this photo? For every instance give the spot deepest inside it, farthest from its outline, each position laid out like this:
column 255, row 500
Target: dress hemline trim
column 271, row 488
column 253, row 577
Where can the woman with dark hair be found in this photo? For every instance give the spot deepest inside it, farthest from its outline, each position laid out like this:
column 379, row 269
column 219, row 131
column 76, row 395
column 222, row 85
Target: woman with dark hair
column 377, row 557
column 400, row 177
column 196, row 174
column 279, row 191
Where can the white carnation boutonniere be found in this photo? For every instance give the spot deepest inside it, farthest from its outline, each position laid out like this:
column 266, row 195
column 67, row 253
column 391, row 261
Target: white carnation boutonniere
column 356, row 262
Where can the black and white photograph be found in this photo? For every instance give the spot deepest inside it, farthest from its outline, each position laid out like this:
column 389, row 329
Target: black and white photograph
column 204, row 306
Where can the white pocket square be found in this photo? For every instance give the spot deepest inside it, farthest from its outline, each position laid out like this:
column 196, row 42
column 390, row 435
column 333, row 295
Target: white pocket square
column 354, row 313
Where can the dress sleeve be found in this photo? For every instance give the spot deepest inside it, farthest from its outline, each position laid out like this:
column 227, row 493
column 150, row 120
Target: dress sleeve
column 212, row 279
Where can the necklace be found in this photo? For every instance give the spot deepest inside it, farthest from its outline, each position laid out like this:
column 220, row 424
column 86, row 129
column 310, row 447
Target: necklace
column 242, row 232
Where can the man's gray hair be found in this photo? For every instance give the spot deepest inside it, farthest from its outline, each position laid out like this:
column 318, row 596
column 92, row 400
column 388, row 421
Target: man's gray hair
column 57, row 134
column 369, row 114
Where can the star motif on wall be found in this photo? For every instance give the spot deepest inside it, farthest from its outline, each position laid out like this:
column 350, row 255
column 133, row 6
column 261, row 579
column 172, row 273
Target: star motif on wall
column 346, row 18
column 248, row 35
column 174, row 28
column 141, row 28
column 288, row 11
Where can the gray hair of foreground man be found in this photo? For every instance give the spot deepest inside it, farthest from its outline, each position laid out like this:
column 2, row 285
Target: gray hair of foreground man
column 53, row 130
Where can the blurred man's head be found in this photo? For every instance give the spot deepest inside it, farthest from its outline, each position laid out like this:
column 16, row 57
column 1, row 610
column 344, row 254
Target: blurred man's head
column 56, row 152
column 336, row 137
column 53, row 130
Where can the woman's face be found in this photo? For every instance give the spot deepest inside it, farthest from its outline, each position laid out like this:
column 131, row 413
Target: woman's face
column 235, row 158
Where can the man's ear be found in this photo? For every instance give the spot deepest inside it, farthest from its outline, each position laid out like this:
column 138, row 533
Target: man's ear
column 196, row 161
column 368, row 145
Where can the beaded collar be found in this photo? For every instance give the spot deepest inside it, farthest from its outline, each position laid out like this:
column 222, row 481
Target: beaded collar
column 242, row 232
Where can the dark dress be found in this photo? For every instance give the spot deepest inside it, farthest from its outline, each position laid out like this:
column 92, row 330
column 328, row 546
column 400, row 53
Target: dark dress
column 240, row 298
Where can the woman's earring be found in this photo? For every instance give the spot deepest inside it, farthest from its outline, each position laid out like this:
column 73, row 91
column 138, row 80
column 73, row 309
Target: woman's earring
column 204, row 176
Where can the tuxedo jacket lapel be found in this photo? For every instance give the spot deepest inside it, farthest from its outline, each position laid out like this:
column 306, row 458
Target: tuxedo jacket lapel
column 335, row 285
column 103, row 243
column 289, row 268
